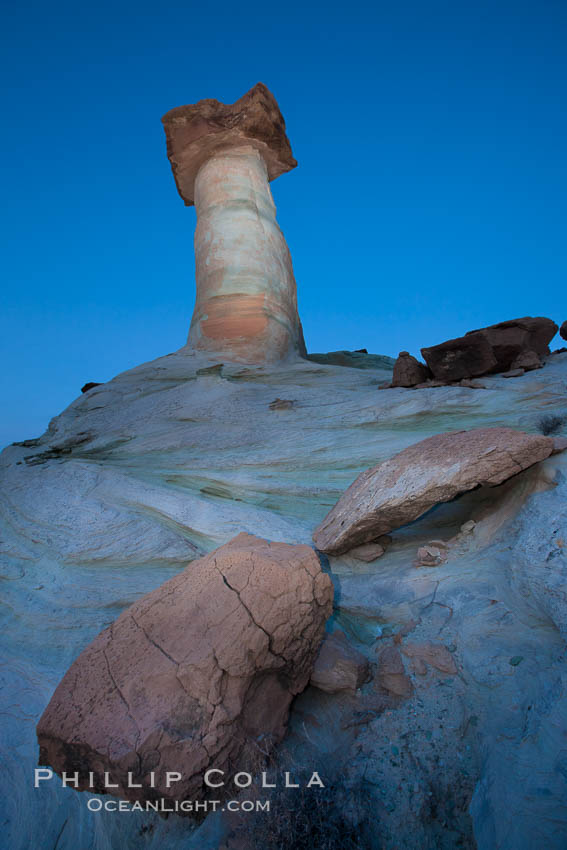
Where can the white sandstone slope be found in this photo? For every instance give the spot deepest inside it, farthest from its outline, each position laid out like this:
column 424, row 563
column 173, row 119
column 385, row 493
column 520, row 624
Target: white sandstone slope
column 171, row 459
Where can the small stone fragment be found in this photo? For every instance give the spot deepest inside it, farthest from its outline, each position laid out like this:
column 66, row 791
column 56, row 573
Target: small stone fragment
column 429, row 556
column 282, row 404
column 514, row 373
column 527, row 360
column 516, row 659
column 429, row 384
column 391, row 673
column 439, row 544
column 89, row 386
column 367, row 552
column 468, row 527
column 472, row 384
column 339, row 666
column 559, row 445
column 418, row 666
column 435, row 654
column 408, row 371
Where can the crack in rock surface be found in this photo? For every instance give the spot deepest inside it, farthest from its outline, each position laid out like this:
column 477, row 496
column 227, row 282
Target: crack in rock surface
column 239, row 667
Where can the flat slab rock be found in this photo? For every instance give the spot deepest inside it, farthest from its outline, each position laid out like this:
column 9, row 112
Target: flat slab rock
column 437, row 469
column 497, row 348
column 193, row 673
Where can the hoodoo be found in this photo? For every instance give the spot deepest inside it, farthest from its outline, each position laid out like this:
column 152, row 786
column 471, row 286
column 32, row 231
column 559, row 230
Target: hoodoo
column 223, row 157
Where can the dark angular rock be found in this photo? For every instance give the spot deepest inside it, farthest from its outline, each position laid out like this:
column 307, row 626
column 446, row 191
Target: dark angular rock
column 464, row 357
column 408, row 371
column 527, row 361
column 491, row 349
column 509, row 339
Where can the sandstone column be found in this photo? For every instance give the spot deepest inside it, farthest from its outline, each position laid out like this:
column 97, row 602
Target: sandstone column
column 223, row 156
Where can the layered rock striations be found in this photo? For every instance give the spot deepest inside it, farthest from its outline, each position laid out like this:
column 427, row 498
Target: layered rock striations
column 191, row 675
column 172, row 458
column 223, row 157
column 437, row 469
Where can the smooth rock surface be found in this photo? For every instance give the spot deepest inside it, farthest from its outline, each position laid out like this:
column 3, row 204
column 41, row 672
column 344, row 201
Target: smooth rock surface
column 246, row 303
column 352, row 359
column 193, row 673
column 435, row 470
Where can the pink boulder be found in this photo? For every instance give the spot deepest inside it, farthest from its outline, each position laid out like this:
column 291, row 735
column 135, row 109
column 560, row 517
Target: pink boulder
column 192, row 675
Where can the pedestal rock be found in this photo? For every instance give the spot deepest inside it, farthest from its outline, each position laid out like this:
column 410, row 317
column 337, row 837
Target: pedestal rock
column 223, row 157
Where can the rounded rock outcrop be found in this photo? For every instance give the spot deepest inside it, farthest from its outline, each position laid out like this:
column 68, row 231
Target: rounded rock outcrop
column 193, row 674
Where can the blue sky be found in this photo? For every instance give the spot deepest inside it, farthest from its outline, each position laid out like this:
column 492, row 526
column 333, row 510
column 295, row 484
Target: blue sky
column 430, row 197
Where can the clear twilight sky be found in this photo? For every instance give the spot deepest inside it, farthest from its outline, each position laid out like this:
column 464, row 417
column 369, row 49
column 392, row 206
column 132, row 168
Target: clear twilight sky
column 430, row 196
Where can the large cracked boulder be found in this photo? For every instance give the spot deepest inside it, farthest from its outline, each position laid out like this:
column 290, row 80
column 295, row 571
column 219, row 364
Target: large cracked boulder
column 563, row 330
column 491, row 349
column 191, row 675
column 435, row 470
